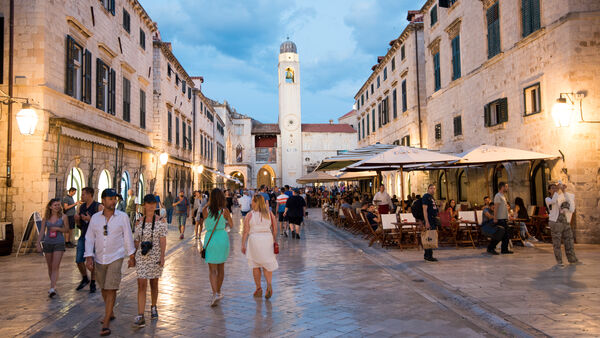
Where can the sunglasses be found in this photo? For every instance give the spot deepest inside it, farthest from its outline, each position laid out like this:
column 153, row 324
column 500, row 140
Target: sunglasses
column 106, row 230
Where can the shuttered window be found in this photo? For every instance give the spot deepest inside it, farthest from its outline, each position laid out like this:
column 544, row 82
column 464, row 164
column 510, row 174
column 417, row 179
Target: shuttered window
column 438, row 132
column 103, row 76
column 530, row 14
column 395, row 103
column 404, row 103
column 493, row 25
column 142, row 39
column 184, row 139
column 456, row 58
column 109, row 5
column 183, row 86
column 457, row 126
column 378, row 116
column 126, row 100
column 393, row 64
column 368, row 129
column 169, row 127
column 177, row 131
column 126, row 21
column 189, row 93
column 402, row 53
column 169, row 70
column 405, row 141
column 495, row 112
column 373, row 118
column 79, row 68
column 112, row 92
column 189, row 137
column 142, row 109
column 433, row 15
column 384, row 73
column 87, row 77
column 436, row 72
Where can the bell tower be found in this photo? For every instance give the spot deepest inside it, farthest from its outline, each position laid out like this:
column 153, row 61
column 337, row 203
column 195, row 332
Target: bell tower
column 290, row 114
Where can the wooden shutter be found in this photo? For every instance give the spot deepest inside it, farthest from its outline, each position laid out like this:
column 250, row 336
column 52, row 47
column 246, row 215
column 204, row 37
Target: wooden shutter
column 189, row 137
column 70, row 66
column 526, row 17
column 502, row 110
column 493, row 23
column 184, row 138
column 486, row 115
column 87, row 77
column 404, row 104
column 126, row 100
column 170, row 127
column 112, row 7
column 112, row 86
column 100, row 70
column 395, row 103
column 142, row 109
column 177, row 130
column 378, row 115
column 436, row 71
column 456, row 58
column 535, row 15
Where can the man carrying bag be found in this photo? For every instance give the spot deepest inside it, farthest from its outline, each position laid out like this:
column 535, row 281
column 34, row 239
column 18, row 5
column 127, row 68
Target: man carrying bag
column 429, row 237
column 490, row 229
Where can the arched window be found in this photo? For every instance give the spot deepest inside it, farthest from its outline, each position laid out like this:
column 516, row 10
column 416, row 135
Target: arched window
column 125, row 184
column 104, row 183
column 462, row 186
column 75, row 180
column 239, row 153
column 289, row 75
column 441, row 188
column 141, row 190
column 500, row 175
column 538, row 183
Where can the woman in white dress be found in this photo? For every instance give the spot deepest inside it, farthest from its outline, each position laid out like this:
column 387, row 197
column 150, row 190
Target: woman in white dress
column 260, row 229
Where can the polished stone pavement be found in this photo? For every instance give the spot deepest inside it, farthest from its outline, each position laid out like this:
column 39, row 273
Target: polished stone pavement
column 329, row 284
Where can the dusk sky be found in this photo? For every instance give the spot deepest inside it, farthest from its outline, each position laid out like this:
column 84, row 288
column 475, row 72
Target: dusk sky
column 234, row 45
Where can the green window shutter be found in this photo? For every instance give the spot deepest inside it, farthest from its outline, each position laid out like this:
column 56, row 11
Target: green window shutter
column 100, row 70
column 395, row 103
column 526, row 17
column 112, row 7
column 87, row 77
column 126, row 100
column 456, row 58
column 142, row 109
column 436, row 71
column 368, row 125
column 404, row 104
column 503, row 110
column 486, row 115
column 378, row 115
column 189, row 137
column 112, row 86
column 70, row 66
column 493, row 24
column 535, row 15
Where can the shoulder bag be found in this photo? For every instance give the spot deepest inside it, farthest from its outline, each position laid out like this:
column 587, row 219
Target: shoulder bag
column 275, row 244
column 203, row 252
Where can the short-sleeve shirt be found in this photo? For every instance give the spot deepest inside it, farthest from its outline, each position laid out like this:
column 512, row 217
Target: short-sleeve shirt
column 265, row 196
column 432, row 210
column 157, row 198
column 485, row 218
column 84, row 209
column 289, row 193
column 500, row 205
column 183, row 206
column 295, row 206
column 69, row 201
column 281, row 201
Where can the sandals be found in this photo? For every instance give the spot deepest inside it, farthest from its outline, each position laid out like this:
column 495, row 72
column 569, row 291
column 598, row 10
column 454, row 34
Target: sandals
column 258, row 293
column 111, row 319
column 269, row 292
column 105, row 332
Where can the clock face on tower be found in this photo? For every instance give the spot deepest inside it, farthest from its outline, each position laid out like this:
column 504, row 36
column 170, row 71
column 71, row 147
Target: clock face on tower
column 291, row 122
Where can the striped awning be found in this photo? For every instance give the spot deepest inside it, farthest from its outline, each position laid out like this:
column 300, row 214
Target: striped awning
column 80, row 135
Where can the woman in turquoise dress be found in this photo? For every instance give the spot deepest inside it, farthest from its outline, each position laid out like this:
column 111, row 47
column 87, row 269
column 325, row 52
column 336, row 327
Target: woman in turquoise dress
column 216, row 247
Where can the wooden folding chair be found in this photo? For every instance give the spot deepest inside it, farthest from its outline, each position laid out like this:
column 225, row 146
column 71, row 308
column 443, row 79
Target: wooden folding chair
column 448, row 229
column 467, row 228
column 479, row 218
column 409, row 229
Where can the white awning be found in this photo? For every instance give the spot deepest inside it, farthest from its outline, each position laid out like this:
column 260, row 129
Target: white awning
column 80, row 135
column 227, row 177
column 137, row 148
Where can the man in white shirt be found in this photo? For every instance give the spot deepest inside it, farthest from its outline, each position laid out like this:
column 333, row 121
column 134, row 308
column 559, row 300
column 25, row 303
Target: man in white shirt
column 382, row 200
column 107, row 241
column 245, row 203
column 562, row 206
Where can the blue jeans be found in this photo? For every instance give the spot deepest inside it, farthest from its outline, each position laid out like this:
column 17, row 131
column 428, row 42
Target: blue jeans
column 80, row 251
column 181, row 218
column 170, row 215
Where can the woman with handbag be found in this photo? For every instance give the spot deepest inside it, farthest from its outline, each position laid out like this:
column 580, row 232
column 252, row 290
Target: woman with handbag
column 216, row 248
column 53, row 228
column 260, row 229
column 150, row 241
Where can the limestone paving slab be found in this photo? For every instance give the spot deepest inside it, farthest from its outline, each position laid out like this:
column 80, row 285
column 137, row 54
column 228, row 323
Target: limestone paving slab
column 323, row 287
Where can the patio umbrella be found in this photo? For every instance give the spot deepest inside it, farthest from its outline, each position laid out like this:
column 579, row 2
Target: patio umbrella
column 494, row 154
column 352, row 156
column 400, row 157
column 349, row 176
column 316, row 177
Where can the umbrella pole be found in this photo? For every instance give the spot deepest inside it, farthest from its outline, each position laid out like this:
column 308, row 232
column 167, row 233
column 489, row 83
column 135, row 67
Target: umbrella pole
column 447, row 189
column 487, row 180
column 401, row 189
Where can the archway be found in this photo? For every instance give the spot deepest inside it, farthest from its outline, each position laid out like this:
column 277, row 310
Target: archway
column 500, row 175
column 141, row 190
column 462, row 186
column 104, row 182
column 125, row 184
column 265, row 176
column 75, row 180
column 233, row 185
column 441, row 186
column 538, row 183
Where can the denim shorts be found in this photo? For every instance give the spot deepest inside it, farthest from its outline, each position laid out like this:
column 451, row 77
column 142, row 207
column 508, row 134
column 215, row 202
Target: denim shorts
column 50, row 248
column 80, row 251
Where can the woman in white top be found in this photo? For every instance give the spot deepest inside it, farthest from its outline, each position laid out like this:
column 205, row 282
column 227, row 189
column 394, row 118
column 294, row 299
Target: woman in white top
column 260, row 229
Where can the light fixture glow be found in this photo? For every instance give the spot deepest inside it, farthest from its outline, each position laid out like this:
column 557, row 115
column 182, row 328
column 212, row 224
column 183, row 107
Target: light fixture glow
column 561, row 112
column 163, row 158
column 265, row 173
column 27, row 120
column 200, row 169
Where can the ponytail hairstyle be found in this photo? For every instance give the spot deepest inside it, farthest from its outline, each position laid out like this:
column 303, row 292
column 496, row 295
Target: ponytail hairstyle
column 262, row 206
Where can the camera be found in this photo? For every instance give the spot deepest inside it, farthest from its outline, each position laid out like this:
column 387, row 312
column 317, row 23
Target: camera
column 146, row 246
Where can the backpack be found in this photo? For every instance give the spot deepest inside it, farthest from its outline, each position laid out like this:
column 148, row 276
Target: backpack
column 417, row 209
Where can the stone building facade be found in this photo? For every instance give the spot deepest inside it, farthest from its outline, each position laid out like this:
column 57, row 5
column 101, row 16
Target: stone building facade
column 86, row 67
column 494, row 70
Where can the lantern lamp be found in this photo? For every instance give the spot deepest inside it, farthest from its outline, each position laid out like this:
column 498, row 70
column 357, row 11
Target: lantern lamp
column 27, row 119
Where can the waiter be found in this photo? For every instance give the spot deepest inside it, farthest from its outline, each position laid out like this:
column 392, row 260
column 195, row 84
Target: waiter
column 383, row 201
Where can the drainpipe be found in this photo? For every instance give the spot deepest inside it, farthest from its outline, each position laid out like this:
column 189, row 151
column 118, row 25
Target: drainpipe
column 418, row 89
column 11, row 21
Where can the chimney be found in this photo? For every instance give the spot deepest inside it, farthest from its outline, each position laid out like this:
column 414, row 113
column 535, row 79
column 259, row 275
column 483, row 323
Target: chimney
column 330, row 121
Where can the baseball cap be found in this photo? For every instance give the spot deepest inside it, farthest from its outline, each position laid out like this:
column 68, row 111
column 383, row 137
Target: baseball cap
column 109, row 193
column 297, row 191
